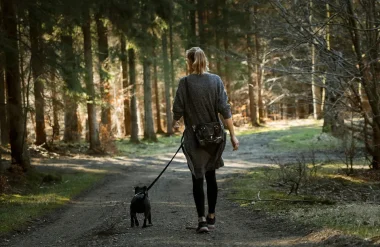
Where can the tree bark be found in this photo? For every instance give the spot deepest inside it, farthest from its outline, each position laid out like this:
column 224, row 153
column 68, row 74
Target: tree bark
column 375, row 163
column 126, row 90
column 69, row 76
column 91, row 109
column 4, row 128
column 259, row 70
column 172, row 79
column 251, row 70
column 157, row 98
column 55, row 104
column 191, row 42
column 369, row 69
column 37, row 62
column 169, row 118
column 149, row 133
column 316, row 90
column 19, row 147
column 132, row 80
column 217, row 37
column 226, row 43
column 201, row 24
column 103, row 67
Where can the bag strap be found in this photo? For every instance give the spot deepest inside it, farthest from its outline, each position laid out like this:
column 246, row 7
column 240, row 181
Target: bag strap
column 191, row 103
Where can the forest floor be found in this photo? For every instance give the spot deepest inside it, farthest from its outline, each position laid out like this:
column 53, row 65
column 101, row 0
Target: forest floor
column 100, row 216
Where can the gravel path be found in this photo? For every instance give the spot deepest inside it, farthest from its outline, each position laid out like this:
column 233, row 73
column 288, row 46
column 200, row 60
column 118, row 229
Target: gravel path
column 101, row 216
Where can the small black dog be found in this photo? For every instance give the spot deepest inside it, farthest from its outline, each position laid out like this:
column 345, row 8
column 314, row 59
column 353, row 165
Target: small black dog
column 140, row 204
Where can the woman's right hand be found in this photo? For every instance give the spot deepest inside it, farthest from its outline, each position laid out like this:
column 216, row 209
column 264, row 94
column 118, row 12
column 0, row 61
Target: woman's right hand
column 235, row 143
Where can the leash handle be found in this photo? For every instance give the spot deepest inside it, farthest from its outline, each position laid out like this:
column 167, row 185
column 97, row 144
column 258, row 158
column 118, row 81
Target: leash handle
column 151, row 185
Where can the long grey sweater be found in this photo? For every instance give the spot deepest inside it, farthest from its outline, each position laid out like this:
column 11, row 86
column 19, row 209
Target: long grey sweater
column 207, row 94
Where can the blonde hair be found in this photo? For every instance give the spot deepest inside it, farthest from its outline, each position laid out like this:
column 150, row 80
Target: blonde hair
column 196, row 60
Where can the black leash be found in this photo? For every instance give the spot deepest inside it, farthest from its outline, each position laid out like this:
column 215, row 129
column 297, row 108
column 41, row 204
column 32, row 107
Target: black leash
column 151, row 185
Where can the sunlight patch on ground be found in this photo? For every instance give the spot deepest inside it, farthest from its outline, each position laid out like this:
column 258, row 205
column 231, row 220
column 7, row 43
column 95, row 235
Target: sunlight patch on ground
column 348, row 178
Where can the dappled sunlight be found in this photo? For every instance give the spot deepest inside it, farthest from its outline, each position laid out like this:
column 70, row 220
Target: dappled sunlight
column 347, row 178
column 49, row 198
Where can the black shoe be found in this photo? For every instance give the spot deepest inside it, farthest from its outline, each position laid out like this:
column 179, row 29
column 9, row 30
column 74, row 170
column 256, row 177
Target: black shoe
column 210, row 223
column 202, row 227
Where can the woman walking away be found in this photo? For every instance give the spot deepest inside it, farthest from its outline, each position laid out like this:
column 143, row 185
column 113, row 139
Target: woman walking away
column 200, row 98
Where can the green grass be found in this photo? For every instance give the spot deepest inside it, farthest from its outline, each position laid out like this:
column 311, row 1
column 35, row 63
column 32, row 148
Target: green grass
column 17, row 209
column 357, row 218
column 251, row 131
column 326, row 188
column 304, row 138
column 145, row 148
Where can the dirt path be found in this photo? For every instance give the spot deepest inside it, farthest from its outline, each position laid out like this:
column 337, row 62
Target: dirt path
column 101, row 217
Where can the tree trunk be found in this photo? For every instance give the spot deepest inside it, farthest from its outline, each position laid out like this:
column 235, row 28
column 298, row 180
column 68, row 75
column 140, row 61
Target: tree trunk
column 169, row 120
column 4, row 129
column 132, row 80
column 172, row 79
column 369, row 69
column 55, row 104
column 19, row 148
column 316, row 90
column 201, row 24
column 69, row 76
column 251, row 71
column 103, row 67
column 157, row 93
column 91, row 109
column 375, row 163
column 227, row 76
column 217, row 38
column 191, row 42
column 149, row 133
column 71, row 133
column 37, row 71
column 126, row 90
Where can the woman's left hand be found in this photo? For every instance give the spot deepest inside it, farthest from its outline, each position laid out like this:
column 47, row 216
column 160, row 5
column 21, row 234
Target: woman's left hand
column 175, row 125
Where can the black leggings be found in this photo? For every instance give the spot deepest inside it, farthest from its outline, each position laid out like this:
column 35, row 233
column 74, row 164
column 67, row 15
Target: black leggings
column 199, row 196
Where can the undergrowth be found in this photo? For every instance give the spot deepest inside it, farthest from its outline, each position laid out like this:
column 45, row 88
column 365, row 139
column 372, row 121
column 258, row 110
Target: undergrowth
column 339, row 193
column 37, row 193
column 337, row 202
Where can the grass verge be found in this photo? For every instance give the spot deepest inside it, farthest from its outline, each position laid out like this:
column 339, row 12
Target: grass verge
column 145, row 148
column 327, row 201
column 328, row 198
column 36, row 198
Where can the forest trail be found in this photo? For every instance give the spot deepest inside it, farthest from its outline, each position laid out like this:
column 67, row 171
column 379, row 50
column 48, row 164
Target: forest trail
column 101, row 216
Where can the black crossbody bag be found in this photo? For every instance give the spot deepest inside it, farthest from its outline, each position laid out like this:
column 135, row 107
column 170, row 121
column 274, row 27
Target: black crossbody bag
column 207, row 134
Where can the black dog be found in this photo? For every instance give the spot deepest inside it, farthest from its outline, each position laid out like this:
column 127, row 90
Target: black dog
column 140, row 204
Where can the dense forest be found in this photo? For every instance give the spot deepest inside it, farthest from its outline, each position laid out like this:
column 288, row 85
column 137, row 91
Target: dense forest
column 95, row 70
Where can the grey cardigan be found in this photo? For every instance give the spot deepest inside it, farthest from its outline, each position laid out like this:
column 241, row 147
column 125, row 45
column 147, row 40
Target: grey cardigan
column 207, row 93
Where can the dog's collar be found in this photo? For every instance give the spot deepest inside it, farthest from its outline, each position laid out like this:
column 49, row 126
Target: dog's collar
column 140, row 193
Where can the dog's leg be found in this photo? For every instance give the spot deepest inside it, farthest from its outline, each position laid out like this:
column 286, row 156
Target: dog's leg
column 144, row 225
column 136, row 221
column 133, row 215
column 146, row 215
column 132, row 220
column 150, row 219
